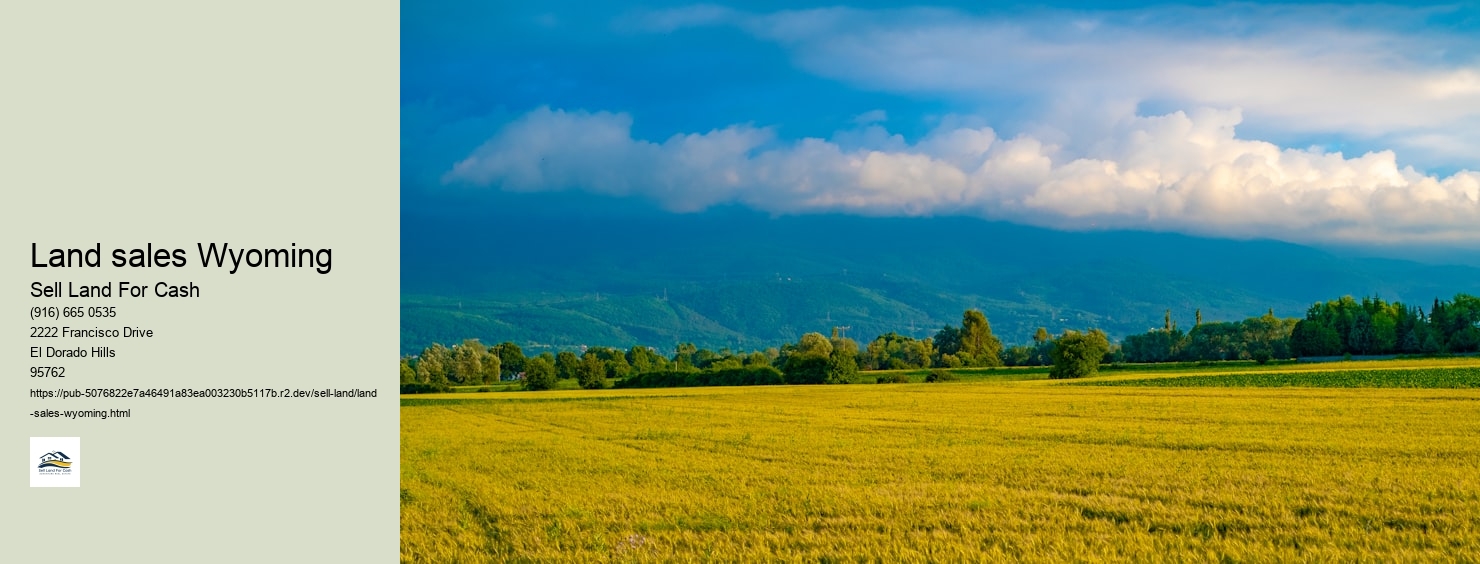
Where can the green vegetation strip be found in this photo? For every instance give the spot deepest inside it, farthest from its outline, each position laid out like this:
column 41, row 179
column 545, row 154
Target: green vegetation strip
column 1455, row 377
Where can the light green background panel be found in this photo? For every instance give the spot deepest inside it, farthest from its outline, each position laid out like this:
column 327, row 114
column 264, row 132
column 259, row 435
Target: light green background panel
column 255, row 124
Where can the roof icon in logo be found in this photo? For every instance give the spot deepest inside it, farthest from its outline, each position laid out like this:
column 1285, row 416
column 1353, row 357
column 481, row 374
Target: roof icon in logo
column 55, row 459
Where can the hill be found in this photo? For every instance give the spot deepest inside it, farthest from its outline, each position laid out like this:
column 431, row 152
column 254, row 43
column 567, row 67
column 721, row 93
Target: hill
column 736, row 279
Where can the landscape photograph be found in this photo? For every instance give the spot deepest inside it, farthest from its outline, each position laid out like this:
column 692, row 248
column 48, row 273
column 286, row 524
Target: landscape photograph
column 950, row 282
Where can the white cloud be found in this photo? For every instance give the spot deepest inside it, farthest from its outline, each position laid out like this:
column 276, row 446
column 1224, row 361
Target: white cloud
column 1181, row 172
column 557, row 150
column 1299, row 69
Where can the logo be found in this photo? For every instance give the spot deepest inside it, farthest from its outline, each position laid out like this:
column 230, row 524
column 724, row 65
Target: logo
column 56, row 459
column 55, row 462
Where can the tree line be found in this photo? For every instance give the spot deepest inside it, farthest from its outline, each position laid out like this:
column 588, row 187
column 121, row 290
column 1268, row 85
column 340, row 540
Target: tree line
column 812, row 359
column 1342, row 326
column 1257, row 338
column 1374, row 326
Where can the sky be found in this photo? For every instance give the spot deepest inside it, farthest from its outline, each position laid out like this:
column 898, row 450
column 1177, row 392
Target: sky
column 1337, row 125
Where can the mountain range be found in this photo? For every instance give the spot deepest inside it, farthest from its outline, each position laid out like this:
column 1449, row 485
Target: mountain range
column 743, row 280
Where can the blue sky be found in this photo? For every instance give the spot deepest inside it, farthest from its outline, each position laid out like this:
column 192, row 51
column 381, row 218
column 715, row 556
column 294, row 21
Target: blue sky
column 1322, row 124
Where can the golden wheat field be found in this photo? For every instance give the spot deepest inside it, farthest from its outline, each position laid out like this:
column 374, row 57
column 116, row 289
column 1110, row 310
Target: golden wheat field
column 961, row 471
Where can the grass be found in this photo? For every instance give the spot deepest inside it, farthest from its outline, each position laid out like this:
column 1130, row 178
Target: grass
column 1449, row 377
column 981, row 469
column 1380, row 369
column 998, row 374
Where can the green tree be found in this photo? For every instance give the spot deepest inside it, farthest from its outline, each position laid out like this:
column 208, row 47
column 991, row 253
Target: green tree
column 757, row 358
column 1020, row 355
column 643, row 359
column 431, row 366
column 725, row 362
column 408, row 374
column 1464, row 313
column 492, row 367
column 977, row 340
column 1431, row 344
column 683, row 357
column 805, row 369
column 591, row 373
column 539, row 374
column 703, row 358
column 1266, row 336
column 892, row 351
column 467, row 362
column 511, row 357
column 613, row 360
column 1156, row 345
column 1216, row 341
column 1362, row 338
column 842, row 362
column 565, row 365
column 807, row 361
column 1311, row 338
column 1076, row 355
column 1465, row 340
column 1384, row 332
column 1411, row 342
column 815, row 344
column 947, row 341
column 919, row 352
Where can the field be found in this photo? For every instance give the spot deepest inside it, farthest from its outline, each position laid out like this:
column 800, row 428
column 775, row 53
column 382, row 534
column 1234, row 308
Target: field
column 987, row 468
column 1453, row 377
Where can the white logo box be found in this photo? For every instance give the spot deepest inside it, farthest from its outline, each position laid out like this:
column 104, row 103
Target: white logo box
column 55, row 462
